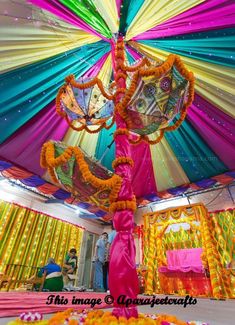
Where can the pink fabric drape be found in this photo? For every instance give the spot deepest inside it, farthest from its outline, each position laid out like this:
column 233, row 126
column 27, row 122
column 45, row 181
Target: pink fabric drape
column 216, row 128
column 183, row 260
column 211, row 14
column 133, row 53
column 65, row 14
column 142, row 166
column 123, row 278
column 24, row 146
column 95, row 69
column 118, row 5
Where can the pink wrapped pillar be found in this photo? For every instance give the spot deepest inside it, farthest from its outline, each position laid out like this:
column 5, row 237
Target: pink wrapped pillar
column 123, row 279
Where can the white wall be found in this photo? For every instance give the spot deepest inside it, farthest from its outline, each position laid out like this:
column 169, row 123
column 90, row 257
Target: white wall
column 33, row 201
column 218, row 199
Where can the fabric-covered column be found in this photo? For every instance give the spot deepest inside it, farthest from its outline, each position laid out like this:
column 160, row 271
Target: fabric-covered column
column 123, row 278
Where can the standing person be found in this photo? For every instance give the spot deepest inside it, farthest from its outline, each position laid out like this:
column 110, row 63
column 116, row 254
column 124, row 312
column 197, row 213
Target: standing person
column 111, row 236
column 110, row 240
column 106, row 265
column 99, row 257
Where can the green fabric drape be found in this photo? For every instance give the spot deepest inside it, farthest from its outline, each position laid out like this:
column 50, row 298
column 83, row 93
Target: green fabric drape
column 128, row 12
column 216, row 46
column 194, row 155
column 25, row 91
column 86, row 10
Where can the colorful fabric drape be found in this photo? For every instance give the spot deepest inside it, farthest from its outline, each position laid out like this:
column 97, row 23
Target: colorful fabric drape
column 45, row 40
column 29, row 238
column 154, row 12
column 37, row 84
column 209, row 15
column 212, row 46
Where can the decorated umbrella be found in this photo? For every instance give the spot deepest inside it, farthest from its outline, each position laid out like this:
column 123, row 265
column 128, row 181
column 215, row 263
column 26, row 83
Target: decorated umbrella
column 78, row 38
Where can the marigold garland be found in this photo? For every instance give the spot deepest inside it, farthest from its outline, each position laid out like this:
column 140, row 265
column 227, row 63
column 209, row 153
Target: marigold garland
column 122, row 160
column 49, row 161
column 123, row 205
column 134, row 68
column 158, row 71
column 85, row 127
column 142, row 69
column 121, row 132
column 95, row 317
column 120, row 75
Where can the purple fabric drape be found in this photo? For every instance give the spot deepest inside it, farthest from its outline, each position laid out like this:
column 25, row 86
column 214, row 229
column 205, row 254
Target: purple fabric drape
column 24, row 146
column 211, row 14
column 65, row 14
column 216, row 128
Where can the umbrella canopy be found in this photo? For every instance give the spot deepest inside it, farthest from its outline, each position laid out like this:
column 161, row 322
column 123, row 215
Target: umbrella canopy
column 46, row 40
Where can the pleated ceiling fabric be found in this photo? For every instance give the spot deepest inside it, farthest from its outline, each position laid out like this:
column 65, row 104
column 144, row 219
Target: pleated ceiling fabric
column 43, row 41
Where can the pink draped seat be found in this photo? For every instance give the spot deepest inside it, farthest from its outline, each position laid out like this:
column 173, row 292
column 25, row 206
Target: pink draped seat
column 183, row 260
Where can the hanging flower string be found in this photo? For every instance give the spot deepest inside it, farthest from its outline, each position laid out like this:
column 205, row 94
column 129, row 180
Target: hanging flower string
column 49, row 161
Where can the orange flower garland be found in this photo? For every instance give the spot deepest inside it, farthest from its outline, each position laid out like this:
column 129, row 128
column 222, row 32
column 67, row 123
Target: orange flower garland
column 121, row 132
column 122, row 160
column 49, row 161
column 96, row 317
column 123, row 205
column 158, row 71
column 142, row 69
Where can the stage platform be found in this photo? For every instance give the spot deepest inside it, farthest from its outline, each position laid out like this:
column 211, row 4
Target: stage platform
column 13, row 303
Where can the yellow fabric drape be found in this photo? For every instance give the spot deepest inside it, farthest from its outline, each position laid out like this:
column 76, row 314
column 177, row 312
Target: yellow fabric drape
column 168, row 172
column 29, row 238
column 217, row 79
column 22, row 43
column 106, row 71
column 155, row 12
column 83, row 139
column 108, row 11
column 221, row 99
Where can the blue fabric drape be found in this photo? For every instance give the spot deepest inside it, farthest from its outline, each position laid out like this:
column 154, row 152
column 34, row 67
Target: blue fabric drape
column 196, row 158
column 104, row 140
column 25, row 91
column 217, row 46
